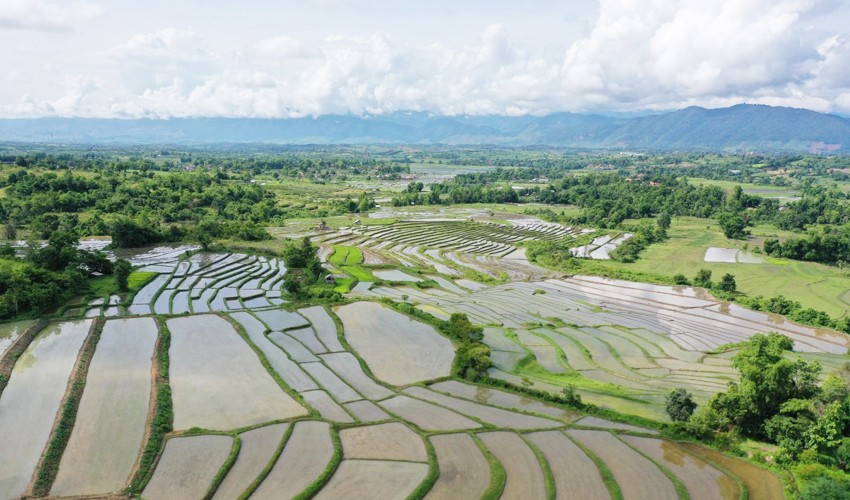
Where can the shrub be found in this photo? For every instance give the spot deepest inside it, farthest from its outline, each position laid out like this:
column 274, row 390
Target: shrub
column 680, row 405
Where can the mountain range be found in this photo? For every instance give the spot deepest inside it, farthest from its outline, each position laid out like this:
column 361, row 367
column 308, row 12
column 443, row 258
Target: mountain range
column 744, row 127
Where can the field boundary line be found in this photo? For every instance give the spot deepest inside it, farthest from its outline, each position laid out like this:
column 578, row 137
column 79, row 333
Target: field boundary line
column 267, row 469
column 162, row 414
column 498, row 476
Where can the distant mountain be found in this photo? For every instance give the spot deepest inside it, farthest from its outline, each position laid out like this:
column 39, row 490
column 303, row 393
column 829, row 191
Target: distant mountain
column 743, row 127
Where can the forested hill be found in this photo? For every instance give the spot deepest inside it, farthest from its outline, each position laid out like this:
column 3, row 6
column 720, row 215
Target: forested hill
column 739, row 128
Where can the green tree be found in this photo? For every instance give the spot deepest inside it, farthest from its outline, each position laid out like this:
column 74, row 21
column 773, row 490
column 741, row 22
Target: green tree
column 681, row 279
column 292, row 284
column 703, row 278
column 768, row 380
column 680, row 405
column 664, row 220
column 733, row 225
column 825, row 488
column 121, row 271
column 727, row 283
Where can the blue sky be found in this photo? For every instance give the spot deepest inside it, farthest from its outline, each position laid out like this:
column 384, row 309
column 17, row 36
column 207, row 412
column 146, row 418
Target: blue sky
column 252, row 58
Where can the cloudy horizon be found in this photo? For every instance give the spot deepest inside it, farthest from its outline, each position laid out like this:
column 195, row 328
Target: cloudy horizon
column 188, row 58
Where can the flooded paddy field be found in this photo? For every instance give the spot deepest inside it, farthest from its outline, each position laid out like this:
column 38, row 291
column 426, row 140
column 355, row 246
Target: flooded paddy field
column 273, row 401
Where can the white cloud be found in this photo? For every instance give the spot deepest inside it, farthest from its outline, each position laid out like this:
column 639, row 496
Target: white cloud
column 658, row 54
column 41, row 15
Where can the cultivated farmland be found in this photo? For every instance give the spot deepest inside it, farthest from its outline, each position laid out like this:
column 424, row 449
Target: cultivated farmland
column 30, row 402
column 624, row 345
column 267, row 400
column 110, row 425
column 398, row 350
column 218, row 382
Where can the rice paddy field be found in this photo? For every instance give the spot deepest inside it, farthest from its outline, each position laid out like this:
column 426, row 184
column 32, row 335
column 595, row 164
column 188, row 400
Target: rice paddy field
column 624, row 345
column 481, row 244
column 225, row 390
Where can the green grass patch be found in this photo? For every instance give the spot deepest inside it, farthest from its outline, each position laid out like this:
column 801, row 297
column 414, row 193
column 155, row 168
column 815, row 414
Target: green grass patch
column 345, row 255
column 359, row 272
column 814, row 285
column 344, row 285
column 498, row 477
column 138, row 279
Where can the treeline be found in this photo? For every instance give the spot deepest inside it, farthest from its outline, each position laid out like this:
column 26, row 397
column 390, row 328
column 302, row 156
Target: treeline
column 315, row 164
column 134, row 210
column 170, row 197
column 609, row 199
column 47, row 275
column 784, row 401
column 832, row 245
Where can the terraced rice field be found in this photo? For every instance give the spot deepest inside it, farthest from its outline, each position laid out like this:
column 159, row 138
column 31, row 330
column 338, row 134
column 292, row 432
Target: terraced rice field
column 271, row 403
column 187, row 467
column 464, row 470
column 398, row 350
column 616, row 335
column 258, row 446
column 110, row 425
column 624, row 344
column 9, row 332
column 30, row 402
column 448, row 246
column 217, row 381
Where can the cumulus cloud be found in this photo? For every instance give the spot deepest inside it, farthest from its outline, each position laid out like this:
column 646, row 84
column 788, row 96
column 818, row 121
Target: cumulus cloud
column 41, row 15
column 640, row 55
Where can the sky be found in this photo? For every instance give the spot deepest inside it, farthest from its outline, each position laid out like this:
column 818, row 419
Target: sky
column 284, row 58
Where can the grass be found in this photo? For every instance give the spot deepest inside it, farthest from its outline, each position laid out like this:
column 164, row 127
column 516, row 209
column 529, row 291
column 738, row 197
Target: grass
column 138, row 279
column 604, row 471
column 498, row 477
column 344, row 285
column 359, row 272
column 763, row 190
column 813, row 285
column 344, row 255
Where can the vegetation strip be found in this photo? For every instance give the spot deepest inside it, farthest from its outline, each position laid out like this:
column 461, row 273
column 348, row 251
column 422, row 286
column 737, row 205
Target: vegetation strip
column 604, row 471
column 7, row 364
column 225, row 467
column 49, row 464
column 329, row 471
column 163, row 412
column 269, row 466
column 433, row 472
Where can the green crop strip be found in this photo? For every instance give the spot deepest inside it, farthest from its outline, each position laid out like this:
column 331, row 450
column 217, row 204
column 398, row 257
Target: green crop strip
column 225, row 467
column 323, row 478
column 677, row 483
column 604, row 471
column 269, row 466
column 498, row 476
column 433, row 472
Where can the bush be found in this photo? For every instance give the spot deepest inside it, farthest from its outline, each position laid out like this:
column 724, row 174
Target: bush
column 703, row 278
column 680, row 405
column 121, row 272
column 727, row 283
